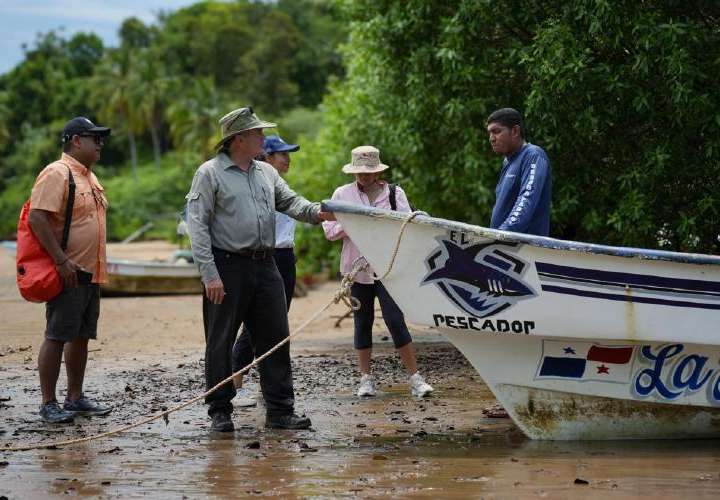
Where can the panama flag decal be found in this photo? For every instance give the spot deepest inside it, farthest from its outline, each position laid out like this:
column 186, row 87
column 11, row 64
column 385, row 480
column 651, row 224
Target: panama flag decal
column 585, row 361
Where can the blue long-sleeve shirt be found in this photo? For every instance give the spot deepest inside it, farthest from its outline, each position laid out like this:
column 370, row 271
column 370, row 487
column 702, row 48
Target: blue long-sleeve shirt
column 523, row 192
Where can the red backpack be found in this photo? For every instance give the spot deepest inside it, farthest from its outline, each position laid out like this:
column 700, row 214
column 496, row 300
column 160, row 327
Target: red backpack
column 37, row 277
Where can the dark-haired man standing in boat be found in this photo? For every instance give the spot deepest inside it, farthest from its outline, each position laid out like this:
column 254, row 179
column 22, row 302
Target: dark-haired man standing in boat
column 522, row 195
column 523, row 192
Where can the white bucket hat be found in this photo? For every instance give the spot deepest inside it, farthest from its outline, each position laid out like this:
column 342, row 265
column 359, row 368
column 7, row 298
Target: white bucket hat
column 365, row 160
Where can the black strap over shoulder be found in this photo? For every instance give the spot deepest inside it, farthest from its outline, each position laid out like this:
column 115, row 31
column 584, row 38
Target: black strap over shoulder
column 393, row 196
column 68, row 210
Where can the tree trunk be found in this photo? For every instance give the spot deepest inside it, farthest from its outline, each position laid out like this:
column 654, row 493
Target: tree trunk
column 156, row 144
column 133, row 153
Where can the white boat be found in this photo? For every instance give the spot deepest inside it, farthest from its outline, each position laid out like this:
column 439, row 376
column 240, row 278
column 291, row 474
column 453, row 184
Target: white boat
column 9, row 246
column 145, row 277
column 142, row 277
column 577, row 341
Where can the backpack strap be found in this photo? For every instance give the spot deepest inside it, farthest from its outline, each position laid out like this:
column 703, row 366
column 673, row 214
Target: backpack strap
column 68, row 210
column 393, row 196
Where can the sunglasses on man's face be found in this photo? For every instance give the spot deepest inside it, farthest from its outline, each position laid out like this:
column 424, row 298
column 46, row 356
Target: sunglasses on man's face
column 97, row 138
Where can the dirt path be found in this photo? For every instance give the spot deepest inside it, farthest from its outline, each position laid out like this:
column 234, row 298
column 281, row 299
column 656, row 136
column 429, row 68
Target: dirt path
column 149, row 355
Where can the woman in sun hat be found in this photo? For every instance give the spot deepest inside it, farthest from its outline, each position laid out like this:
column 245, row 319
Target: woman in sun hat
column 369, row 189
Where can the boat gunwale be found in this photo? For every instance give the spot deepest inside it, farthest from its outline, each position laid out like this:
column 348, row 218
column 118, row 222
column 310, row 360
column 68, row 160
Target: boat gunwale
column 10, row 246
column 537, row 241
column 151, row 264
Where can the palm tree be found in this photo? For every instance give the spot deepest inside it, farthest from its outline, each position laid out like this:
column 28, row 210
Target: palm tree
column 152, row 90
column 193, row 117
column 114, row 92
column 4, row 119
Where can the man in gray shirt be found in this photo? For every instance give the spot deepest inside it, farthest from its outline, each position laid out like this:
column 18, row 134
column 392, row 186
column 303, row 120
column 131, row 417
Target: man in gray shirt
column 231, row 222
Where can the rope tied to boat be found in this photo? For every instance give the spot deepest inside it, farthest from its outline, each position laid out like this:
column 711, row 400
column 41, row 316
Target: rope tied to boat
column 343, row 294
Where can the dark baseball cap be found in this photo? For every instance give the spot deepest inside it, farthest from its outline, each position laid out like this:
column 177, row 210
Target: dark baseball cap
column 274, row 144
column 82, row 126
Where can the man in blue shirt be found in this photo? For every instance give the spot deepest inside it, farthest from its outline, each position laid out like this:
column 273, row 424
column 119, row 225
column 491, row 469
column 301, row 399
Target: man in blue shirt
column 276, row 152
column 523, row 192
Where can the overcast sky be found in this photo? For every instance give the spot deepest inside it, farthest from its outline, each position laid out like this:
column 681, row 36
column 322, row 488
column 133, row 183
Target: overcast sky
column 21, row 20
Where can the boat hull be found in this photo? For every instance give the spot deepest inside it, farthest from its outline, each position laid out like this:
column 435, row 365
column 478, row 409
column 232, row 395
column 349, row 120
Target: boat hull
column 144, row 277
column 633, row 398
column 577, row 341
column 151, row 278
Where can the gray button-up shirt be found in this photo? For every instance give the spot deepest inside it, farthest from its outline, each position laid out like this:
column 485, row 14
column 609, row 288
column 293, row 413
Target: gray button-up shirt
column 234, row 210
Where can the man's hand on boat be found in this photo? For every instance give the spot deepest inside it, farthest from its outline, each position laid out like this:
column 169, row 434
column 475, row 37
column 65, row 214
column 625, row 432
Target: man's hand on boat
column 326, row 216
column 215, row 291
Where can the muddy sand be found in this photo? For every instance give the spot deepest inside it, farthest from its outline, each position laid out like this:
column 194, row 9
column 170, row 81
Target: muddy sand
column 149, row 355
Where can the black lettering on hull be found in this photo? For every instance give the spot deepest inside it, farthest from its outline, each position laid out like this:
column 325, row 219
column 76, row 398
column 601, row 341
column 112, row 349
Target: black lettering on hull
column 488, row 325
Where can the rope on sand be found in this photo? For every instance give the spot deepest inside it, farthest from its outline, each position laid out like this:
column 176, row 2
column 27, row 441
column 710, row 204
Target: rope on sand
column 341, row 295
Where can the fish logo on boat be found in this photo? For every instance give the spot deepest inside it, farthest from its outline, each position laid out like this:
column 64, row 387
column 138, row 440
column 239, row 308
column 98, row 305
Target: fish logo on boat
column 481, row 279
column 585, row 362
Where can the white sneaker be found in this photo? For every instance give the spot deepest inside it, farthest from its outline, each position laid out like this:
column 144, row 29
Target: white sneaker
column 367, row 387
column 418, row 387
column 245, row 397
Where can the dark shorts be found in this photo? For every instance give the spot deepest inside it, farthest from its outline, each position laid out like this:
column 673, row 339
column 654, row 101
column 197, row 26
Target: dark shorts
column 74, row 313
column 365, row 316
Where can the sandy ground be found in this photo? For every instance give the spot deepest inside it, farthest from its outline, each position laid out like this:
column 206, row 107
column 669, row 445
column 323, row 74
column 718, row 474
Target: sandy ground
column 149, row 355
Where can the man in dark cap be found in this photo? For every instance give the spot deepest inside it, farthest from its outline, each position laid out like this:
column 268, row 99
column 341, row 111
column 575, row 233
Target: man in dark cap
column 72, row 316
column 231, row 221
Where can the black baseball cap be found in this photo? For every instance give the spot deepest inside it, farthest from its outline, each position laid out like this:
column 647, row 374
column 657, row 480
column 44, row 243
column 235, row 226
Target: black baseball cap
column 82, row 126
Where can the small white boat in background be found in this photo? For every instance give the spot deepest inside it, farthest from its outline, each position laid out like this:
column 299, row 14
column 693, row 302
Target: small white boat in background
column 145, row 277
column 577, row 341
column 140, row 277
column 9, row 246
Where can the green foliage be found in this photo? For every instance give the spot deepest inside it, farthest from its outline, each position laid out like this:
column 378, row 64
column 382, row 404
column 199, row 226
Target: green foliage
column 254, row 53
column 193, row 117
column 45, row 85
column 636, row 85
column 11, row 201
column 135, row 35
column 315, row 173
column 43, row 89
column 621, row 95
column 267, row 84
column 299, row 122
column 159, row 198
column 314, row 253
column 271, row 56
column 317, row 57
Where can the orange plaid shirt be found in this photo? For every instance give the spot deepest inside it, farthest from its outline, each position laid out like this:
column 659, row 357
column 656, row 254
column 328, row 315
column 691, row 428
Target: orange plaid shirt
column 86, row 242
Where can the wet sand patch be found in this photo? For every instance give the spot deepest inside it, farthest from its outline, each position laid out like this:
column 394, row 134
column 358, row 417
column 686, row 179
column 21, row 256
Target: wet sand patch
column 149, row 355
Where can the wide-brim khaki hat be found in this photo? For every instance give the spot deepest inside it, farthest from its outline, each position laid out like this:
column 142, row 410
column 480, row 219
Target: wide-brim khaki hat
column 364, row 160
column 238, row 121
